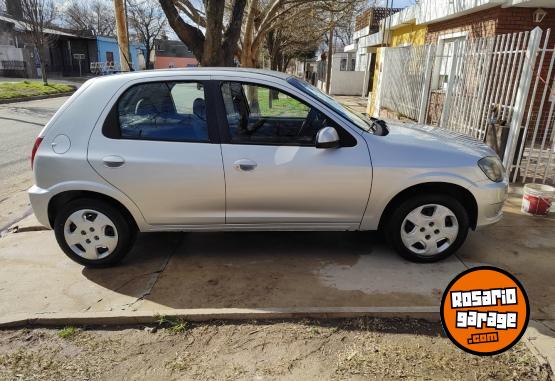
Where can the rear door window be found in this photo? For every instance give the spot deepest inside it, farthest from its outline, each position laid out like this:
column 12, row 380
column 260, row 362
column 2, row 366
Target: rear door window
column 167, row 111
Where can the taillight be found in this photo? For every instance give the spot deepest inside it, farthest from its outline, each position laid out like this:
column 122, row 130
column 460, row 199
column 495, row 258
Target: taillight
column 34, row 151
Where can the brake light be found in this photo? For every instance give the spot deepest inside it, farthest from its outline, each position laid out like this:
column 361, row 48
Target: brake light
column 34, row 151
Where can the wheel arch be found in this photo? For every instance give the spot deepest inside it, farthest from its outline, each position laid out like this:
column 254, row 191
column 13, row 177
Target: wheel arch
column 70, row 195
column 462, row 194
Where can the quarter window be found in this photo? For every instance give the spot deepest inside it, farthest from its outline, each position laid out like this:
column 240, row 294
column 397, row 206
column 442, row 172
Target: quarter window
column 262, row 115
column 168, row 111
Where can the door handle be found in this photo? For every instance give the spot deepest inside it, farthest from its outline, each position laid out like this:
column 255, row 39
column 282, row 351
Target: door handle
column 245, row 165
column 113, row 161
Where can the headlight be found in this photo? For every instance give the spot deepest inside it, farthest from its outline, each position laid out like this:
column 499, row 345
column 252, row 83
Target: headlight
column 492, row 167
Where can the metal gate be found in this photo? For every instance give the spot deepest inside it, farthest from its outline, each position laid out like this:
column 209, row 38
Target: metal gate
column 405, row 79
column 499, row 89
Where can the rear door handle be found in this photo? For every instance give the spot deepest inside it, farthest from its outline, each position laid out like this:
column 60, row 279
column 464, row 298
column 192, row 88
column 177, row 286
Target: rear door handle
column 245, row 165
column 113, row 161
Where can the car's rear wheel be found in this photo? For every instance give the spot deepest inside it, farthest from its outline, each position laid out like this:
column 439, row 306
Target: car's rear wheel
column 427, row 228
column 93, row 232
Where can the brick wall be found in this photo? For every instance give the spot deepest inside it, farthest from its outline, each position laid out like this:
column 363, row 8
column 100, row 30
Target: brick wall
column 490, row 22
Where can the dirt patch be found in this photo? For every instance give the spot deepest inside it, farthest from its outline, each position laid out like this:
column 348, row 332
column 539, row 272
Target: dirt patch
column 331, row 349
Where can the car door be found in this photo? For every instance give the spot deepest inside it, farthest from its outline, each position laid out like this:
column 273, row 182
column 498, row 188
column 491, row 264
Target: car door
column 158, row 145
column 274, row 173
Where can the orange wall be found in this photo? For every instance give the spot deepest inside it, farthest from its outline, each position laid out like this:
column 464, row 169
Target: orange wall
column 165, row 62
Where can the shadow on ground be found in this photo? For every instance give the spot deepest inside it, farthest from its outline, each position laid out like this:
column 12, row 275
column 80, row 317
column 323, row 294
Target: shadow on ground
column 276, row 269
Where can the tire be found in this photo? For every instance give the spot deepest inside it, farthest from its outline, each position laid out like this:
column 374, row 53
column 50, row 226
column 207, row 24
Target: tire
column 93, row 232
column 440, row 227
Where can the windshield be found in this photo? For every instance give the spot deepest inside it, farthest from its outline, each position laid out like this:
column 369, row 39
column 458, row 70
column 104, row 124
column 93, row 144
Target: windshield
column 360, row 120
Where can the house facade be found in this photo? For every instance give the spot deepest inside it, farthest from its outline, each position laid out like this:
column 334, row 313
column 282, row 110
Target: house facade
column 366, row 40
column 106, row 57
column 19, row 57
column 443, row 23
column 173, row 53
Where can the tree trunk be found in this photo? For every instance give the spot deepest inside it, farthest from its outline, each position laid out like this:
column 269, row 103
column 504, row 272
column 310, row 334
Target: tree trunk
column 191, row 36
column 44, row 75
column 213, row 53
column 147, row 54
column 43, row 67
column 252, row 98
column 247, row 58
column 329, row 60
column 147, row 60
column 218, row 47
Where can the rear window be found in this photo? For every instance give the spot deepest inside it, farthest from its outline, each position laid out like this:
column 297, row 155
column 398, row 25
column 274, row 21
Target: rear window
column 166, row 111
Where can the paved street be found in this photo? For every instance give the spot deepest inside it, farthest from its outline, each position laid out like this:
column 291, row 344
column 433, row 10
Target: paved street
column 20, row 124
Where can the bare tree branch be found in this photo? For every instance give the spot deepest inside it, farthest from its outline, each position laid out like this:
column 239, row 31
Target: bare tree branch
column 216, row 46
column 96, row 16
column 147, row 21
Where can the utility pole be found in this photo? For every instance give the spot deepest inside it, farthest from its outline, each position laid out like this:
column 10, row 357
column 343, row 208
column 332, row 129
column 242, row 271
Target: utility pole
column 123, row 38
column 330, row 54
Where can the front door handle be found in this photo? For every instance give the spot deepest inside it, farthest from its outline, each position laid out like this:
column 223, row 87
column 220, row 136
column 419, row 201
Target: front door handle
column 245, row 165
column 113, row 161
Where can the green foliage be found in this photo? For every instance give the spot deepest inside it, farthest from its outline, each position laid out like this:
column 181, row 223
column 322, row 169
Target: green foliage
column 9, row 90
column 174, row 325
column 283, row 106
column 67, row 332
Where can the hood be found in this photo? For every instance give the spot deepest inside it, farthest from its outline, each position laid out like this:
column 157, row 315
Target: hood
column 436, row 139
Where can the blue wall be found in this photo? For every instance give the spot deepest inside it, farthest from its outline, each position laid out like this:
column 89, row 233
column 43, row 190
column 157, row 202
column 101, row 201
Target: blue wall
column 109, row 44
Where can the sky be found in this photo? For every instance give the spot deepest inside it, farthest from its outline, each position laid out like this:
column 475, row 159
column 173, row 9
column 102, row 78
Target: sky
column 397, row 3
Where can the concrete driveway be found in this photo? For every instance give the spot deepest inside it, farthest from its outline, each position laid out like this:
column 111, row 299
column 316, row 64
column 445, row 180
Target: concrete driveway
column 345, row 271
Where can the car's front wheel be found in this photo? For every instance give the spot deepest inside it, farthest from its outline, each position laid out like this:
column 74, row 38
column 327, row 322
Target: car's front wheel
column 427, row 228
column 93, row 232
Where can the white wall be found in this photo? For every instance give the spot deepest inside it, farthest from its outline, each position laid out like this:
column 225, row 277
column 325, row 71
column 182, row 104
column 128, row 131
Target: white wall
column 434, row 11
column 10, row 53
column 346, row 82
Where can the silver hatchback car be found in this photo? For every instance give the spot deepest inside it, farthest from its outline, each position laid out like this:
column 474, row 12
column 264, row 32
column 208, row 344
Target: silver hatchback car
column 219, row 149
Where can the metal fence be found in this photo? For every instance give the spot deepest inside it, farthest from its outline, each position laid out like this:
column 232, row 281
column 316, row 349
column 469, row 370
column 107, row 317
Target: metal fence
column 499, row 89
column 12, row 68
column 109, row 67
column 405, row 78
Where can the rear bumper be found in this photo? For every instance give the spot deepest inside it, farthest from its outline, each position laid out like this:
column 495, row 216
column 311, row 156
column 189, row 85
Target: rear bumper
column 39, row 202
column 490, row 198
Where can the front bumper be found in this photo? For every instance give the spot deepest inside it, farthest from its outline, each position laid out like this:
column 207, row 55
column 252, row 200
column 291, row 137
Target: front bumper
column 39, row 202
column 490, row 198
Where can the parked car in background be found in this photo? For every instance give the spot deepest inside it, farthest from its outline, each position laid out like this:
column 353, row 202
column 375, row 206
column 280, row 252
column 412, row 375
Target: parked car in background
column 235, row 149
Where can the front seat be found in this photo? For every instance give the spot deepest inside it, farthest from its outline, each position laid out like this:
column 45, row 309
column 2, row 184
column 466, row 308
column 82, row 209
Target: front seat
column 199, row 108
column 200, row 128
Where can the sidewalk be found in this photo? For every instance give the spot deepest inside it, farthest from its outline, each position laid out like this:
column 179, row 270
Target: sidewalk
column 267, row 275
column 356, row 103
column 284, row 272
column 169, row 273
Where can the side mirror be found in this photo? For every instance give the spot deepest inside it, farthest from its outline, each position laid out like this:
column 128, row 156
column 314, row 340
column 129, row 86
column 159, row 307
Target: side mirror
column 327, row 137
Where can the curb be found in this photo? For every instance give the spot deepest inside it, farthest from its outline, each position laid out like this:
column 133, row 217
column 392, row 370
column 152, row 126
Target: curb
column 36, row 97
column 538, row 338
column 205, row 314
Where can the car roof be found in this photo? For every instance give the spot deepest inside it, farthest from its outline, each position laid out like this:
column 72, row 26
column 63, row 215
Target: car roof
column 192, row 71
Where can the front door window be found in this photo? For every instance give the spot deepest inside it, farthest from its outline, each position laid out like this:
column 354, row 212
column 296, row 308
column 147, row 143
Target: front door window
column 258, row 114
